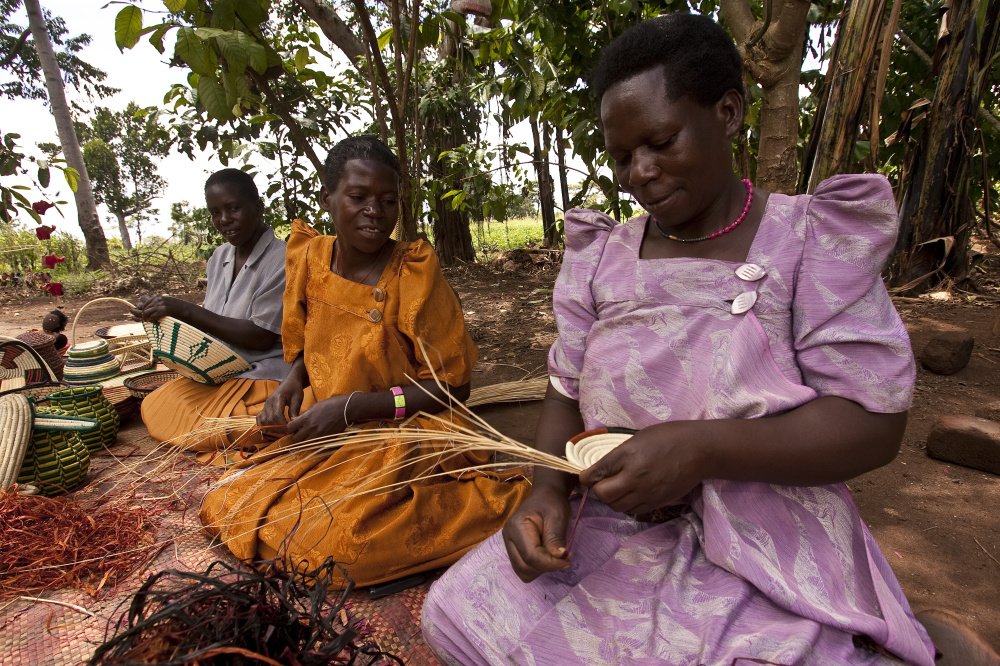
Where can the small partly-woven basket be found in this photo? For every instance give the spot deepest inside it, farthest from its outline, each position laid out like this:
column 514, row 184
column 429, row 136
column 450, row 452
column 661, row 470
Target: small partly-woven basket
column 89, row 402
column 57, row 459
column 191, row 352
column 142, row 385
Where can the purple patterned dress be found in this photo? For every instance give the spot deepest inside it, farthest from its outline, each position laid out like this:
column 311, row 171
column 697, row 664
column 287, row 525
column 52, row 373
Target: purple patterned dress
column 750, row 572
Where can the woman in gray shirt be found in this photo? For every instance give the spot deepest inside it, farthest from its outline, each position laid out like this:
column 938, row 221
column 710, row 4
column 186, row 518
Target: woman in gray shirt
column 242, row 307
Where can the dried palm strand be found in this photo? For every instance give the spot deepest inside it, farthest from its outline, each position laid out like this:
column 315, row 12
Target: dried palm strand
column 525, row 389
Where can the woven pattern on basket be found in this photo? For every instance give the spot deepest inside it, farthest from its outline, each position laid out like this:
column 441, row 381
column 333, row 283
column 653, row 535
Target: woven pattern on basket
column 45, row 345
column 89, row 402
column 57, row 460
column 194, row 354
column 90, row 363
column 133, row 329
column 122, row 400
column 15, row 436
column 142, row 385
column 21, row 367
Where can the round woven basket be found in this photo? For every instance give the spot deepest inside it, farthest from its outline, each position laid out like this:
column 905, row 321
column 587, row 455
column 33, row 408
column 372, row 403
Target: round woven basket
column 23, row 370
column 57, row 459
column 45, row 345
column 142, row 385
column 130, row 330
column 182, row 347
column 89, row 402
column 16, row 418
column 588, row 447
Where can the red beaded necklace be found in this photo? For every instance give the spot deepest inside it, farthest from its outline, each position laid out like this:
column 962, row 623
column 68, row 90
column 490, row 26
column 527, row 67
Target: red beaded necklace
column 715, row 234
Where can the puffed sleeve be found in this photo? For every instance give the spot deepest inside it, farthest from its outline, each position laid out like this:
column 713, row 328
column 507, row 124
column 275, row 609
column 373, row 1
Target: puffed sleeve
column 573, row 305
column 849, row 340
column 293, row 322
column 429, row 311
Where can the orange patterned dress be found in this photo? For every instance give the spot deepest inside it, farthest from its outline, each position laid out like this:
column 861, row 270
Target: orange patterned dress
column 356, row 337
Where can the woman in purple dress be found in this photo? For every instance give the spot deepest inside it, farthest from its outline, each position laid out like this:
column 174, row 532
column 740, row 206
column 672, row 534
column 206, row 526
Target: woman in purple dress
column 748, row 337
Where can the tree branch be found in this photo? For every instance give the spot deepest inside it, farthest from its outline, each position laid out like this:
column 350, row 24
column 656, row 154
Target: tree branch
column 737, row 15
column 334, row 28
column 786, row 30
column 16, row 50
column 298, row 137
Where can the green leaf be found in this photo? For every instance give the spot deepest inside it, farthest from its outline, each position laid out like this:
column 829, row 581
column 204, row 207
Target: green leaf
column 209, row 33
column 156, row 39
column 213, row 98
column 128, row 27
column 43, row 177
column 72, row 177
column 384, row 39
column 301, row 58
column 198, row 56
column 174, row 6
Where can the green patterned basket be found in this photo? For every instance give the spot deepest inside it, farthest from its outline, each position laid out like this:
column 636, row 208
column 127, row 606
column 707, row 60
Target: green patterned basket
column 57, row 460
column 182, row 347
column 89, row 402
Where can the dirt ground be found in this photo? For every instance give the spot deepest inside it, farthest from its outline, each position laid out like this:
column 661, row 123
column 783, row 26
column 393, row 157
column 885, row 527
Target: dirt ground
column 936, row 522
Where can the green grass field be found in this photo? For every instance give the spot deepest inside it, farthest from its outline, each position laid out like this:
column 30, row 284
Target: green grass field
column 493, row 237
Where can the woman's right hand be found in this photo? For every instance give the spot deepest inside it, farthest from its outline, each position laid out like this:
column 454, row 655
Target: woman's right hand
column 288, row 396
column 153, row 307
column 535, row 536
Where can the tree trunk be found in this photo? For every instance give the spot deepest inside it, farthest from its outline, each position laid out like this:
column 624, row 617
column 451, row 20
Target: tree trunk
column 546, row 196
column 561, row 148
column 936, row 211
column 772, row 53
column 86, row 207
column 852, row 79
column 123, row 230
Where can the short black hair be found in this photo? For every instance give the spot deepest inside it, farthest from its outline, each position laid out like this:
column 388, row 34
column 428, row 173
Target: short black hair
column 698, row 58
column 361, row 147
column 237, row 177
column 54, row 321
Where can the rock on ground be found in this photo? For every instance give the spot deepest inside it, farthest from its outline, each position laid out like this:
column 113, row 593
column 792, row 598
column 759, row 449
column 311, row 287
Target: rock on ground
column 966, row 440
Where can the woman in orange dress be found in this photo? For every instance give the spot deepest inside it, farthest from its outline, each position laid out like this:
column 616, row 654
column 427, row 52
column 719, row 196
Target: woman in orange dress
column 369, row 323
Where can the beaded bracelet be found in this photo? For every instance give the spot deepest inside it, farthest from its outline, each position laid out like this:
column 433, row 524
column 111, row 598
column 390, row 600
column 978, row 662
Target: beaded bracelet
column 400, row 402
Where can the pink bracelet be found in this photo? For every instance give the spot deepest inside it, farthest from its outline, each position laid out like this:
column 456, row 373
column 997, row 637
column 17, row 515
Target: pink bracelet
column 400, row 401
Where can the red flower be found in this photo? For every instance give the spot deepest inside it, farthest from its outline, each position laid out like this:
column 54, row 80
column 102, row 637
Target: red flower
column 54, row 288
column 50, row 260
column 44, row 232
column 41, row 206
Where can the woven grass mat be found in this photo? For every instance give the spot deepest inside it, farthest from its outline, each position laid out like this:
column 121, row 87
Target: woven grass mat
column 42, row 633
column 39, row 633
column 393, row 623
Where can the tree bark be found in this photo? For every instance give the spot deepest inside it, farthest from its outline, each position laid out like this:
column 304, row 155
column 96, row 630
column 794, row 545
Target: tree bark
column 561, row 148
column 335, row 29
column 546, row 196
column 772, row 53
column 854, row 68
column 123, row 230
column 936, row 211
column 86, row 206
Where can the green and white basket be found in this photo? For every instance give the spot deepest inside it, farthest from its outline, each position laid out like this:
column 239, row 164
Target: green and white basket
column 191, row 352
column 57, row 460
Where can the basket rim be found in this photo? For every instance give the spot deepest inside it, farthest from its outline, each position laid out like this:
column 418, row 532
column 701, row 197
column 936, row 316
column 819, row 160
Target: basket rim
column 136, row 382
column 222, row 361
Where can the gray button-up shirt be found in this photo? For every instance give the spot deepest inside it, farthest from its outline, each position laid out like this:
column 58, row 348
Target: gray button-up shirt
column 255, row 294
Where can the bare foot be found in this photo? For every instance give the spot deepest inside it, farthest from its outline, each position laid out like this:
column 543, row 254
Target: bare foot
column 956, row 644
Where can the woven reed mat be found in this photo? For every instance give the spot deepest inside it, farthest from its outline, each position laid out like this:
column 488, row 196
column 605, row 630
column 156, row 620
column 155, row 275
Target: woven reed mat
column 393, row 623
column 42, row 634
column 38, row 633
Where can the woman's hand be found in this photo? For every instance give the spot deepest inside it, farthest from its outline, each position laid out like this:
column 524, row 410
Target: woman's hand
column 153, row 307
column 535, row 536
column 655, row 468
column 323, row 418
column 284, row 404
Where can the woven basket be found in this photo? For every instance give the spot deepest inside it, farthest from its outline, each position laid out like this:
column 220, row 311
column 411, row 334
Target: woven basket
column 588, row 447
column 16, row 418
column 23, row 370
column 89, row 402
column 122, row 400
column 134, row 353
column 57, row 459
column 142, row 385
column 130, row 330
column 191, row 352
column 45, row 345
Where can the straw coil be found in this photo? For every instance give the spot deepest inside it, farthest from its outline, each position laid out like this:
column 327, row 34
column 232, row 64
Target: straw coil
column 15, row 435
column 518, row 391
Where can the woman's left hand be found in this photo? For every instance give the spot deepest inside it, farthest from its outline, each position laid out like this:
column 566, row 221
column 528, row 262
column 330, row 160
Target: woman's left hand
column 323, row 418
column 655, row 468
